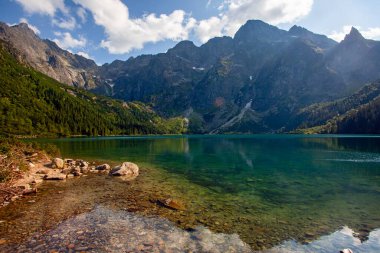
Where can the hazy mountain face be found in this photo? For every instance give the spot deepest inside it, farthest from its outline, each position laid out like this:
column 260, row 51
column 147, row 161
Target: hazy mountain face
column 253, row 82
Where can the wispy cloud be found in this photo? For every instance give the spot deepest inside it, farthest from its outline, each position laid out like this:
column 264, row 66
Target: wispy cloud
column 84, row 54
column 44, row 7
column 82, row 14
column 68, row 23
column 66, row 41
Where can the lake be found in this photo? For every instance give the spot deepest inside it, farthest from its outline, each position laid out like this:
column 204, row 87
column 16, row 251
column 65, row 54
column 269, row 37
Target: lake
column 275, row 193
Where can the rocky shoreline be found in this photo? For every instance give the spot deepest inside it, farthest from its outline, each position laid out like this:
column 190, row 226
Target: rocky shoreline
column 42, row 169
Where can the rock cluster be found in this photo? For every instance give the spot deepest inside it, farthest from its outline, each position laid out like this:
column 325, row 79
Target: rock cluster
column 61, row 169
column 66, row 168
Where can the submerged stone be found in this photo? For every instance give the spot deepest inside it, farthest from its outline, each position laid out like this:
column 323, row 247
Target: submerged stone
column 172, row 204
column 59, row 176
column 103, row 167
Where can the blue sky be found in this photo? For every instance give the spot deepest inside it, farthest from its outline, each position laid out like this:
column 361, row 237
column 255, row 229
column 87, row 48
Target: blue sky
column 105, row 30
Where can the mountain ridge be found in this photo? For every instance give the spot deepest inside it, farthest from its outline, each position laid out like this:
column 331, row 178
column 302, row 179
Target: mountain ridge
column 280, row 71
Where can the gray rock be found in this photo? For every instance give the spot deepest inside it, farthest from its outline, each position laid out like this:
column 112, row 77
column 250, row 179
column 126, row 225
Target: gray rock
column 127, row 169
column 103, row 167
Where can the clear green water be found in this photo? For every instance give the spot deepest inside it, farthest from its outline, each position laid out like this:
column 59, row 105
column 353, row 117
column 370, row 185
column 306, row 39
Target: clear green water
column 266, row 188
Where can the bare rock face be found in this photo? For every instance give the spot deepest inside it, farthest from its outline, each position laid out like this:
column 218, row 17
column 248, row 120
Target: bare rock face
column 127, row 170
column 47, row 57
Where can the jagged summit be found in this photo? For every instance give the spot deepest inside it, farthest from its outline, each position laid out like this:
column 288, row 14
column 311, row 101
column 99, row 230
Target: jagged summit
column 184, row 45
column 298, row 30
column 259, row 30
column 354, row 35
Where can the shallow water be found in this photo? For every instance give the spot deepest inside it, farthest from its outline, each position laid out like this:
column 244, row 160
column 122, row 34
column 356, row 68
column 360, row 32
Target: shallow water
column 293, row 193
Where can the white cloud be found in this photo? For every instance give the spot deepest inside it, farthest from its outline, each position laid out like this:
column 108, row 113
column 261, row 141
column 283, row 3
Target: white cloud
column 339, row 36
column 370, row 33
column 125, row 33
column 66, row 41
column 209, row 28
column 234, row 13
column 32, row 27
column 48, row 7
column 82, row 14
column 68, row 24
column 84, row 54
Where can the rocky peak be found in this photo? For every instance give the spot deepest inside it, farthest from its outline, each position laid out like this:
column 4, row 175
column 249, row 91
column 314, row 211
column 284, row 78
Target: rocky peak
column 257, row 30
column 298, row 30
column 185, row 49
column 24, row 28
column 353, row 36
column 182, row 47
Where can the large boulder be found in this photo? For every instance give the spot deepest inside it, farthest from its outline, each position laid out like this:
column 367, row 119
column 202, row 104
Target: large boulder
column 58, row 163
column 126, row 170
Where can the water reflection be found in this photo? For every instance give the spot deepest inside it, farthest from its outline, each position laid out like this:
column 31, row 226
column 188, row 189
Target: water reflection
column 106, row 230
column 342, row 239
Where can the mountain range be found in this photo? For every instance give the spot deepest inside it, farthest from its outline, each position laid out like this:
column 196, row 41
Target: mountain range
column 263, row 80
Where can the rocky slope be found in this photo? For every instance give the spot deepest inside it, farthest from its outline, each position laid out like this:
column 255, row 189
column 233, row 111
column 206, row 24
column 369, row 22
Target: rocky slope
column 31, row 103
column 46, row 57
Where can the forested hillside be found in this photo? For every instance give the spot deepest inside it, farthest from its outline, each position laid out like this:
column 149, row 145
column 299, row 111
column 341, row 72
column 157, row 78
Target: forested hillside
column 356, row 114
column 33, row 104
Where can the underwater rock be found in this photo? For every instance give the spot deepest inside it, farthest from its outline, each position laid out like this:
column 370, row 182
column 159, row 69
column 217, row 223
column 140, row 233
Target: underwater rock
column 172, row 204
column 103, row 167
column 58, row 176
column 29, row 191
